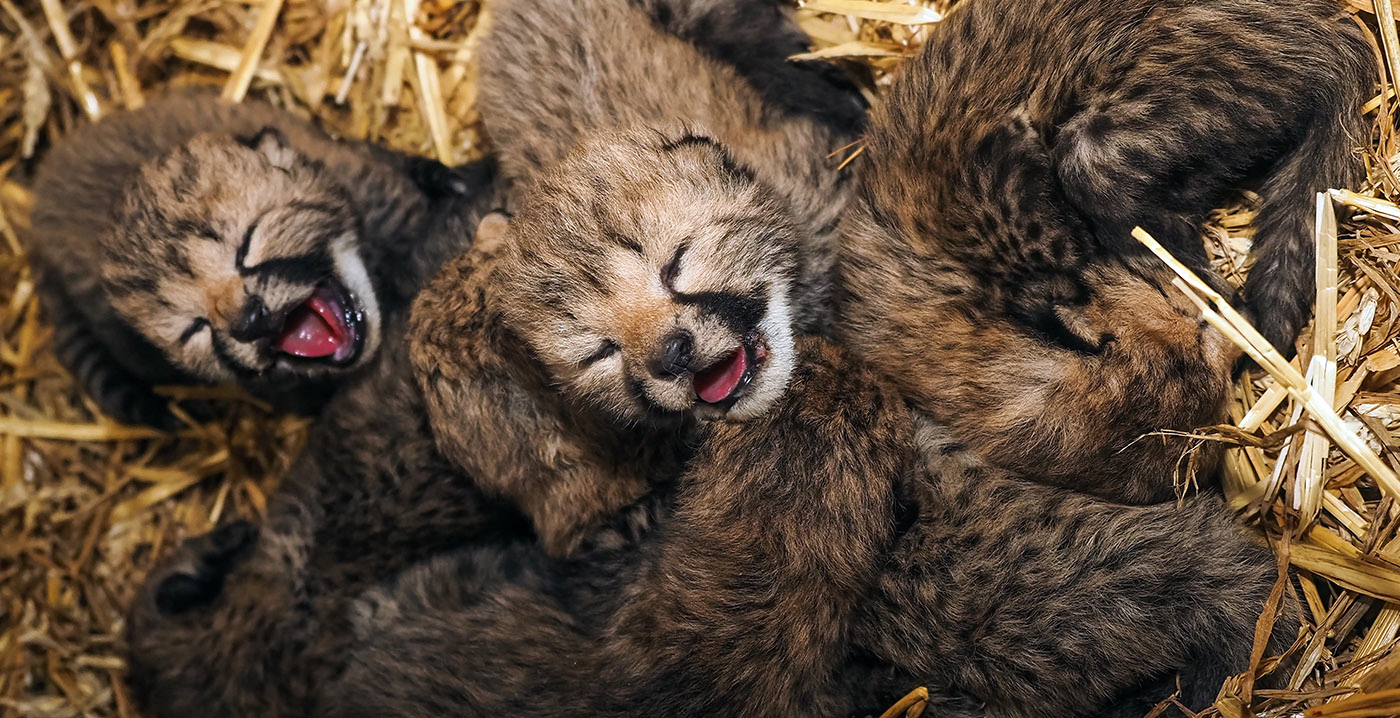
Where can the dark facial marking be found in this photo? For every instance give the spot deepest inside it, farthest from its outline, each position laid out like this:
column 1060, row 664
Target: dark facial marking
column 302, row 269
column 639, row 394
column 187, row 227
column 135, row 284
column 591, row 276
column 691, row 139
column 745, row 223
column 247, row 240
column 316, row 207
column 173, row 258
column 227, row 358
column 741, row 313
column 731, row 168
column 553, row 291
column 336, row 224
column 182, row 183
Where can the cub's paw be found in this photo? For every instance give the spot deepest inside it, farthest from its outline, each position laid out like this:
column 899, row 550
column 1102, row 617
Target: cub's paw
column 437, row 180
column 829, row 382
column 194, row 575
column 628, row 526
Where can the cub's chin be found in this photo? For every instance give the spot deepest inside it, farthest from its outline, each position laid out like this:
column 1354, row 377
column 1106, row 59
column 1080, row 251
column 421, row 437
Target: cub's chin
column 748, row 382
column 741, row 385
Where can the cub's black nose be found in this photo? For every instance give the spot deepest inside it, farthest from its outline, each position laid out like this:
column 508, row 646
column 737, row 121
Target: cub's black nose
column 676, row 355
column 254, row 321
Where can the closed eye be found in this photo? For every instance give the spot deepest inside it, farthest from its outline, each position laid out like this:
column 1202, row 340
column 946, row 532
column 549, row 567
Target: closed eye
column 607, row 349
column 242, row 256
column 673, row 267
column 193, row 329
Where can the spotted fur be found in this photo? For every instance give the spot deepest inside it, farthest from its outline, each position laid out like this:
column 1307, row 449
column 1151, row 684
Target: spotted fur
column 737, row 605
column 263, row 630
column 987, row 266
column 819, row 559
column 254, row 621
column 1012, row 598
column 669, row 214
column 812, row 567
column 157, row 233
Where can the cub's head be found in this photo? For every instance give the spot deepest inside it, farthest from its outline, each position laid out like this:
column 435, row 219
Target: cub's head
column 652, row 276
column 238, row 257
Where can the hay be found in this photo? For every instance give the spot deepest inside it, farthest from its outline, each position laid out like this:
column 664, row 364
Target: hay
column 86, row 506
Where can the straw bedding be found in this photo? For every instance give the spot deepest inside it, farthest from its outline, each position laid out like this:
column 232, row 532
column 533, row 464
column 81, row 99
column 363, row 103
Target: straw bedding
column 86, row 506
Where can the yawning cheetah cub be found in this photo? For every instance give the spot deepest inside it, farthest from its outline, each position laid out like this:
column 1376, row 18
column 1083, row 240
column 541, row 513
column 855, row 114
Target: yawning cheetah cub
column 674, row 232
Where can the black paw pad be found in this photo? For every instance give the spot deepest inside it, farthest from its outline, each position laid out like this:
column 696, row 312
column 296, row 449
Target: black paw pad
column 215, row 554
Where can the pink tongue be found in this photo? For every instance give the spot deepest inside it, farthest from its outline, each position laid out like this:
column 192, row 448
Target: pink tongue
column 312, row 330
column 716, row 383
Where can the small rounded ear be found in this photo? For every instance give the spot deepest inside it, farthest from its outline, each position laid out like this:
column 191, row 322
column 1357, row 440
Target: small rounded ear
column 491, row 231
column 271, row 144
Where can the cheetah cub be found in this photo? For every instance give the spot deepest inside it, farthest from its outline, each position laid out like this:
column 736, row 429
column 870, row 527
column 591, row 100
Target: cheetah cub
column 816, row 564
column 194, row 241
column 988, row 267
column 673, row 234
column 223, row 628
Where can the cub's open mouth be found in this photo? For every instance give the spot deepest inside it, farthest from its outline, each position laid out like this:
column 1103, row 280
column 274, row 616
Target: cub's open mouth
column 724, row 382
column 329, row 326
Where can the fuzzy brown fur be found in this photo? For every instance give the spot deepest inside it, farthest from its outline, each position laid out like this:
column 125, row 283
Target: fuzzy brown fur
column 987, row 263
column 740, row 605
column 1012, row 598
column 570, row 468
column 670, row 216
column 811, row 569
column 808, row 568
column 256, row 622
column 246, row 621
column 154, row 230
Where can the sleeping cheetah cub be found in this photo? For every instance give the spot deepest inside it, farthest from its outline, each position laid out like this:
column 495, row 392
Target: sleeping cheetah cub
column 988, row 267
column 673, row 234
column 228, row 628
column 791, row 581
column 194, row 241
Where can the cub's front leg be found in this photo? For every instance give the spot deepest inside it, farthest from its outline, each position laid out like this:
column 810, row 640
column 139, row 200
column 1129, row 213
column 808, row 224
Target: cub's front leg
column 1038, row 601
column 495, row 413
column 738, row 605
column 780, row 529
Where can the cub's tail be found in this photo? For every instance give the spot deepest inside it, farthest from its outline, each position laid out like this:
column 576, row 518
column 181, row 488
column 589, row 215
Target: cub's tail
column 1279, row 292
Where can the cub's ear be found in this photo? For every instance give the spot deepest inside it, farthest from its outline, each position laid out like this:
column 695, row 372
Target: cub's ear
column 272, row 145
column 491, row 231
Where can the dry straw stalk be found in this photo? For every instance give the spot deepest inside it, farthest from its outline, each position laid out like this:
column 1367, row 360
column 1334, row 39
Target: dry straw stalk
column 86, row 506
